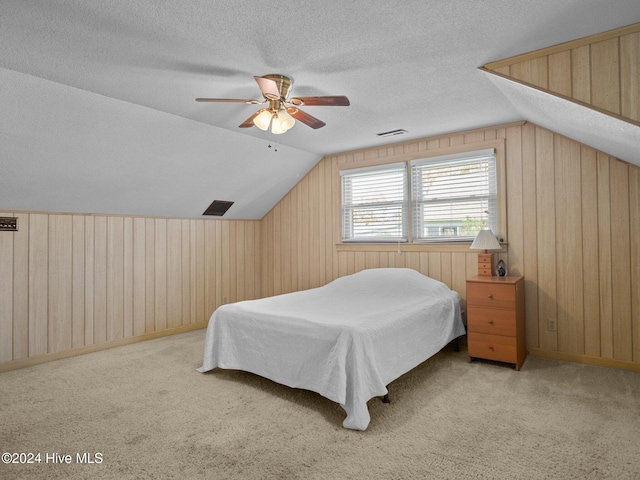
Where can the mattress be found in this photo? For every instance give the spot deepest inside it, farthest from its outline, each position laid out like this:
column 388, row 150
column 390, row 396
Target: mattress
column 346, row 340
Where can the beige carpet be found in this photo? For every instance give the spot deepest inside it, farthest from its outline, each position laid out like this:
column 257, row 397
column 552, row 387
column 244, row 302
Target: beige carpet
column 149, row 414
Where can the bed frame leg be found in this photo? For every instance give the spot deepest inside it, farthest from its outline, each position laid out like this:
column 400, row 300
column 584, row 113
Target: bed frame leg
column 385, row 399
column 456, row 345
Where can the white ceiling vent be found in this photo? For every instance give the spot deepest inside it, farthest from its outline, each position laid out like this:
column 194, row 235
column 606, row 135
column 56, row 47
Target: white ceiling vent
column 391, row 133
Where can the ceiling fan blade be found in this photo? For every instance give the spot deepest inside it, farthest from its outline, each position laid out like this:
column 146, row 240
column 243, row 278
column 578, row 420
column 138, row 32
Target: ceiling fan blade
column 330, row 101
column 232, row 100
column 305, row 118
column 249, row 121
column 268, row 87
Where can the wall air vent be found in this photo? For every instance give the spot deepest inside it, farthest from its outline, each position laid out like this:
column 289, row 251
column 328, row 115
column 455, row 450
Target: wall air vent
column 218, row 208
column 391, row 133
column 9, row 224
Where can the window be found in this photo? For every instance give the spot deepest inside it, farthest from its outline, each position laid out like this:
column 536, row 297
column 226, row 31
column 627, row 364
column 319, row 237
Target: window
column 374, row 203
column 454, row 196
column 443, row 199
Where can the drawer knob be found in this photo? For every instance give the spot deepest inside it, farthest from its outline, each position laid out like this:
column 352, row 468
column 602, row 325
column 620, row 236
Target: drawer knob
column 490, row 322
column 490, row 296
column 491, row 347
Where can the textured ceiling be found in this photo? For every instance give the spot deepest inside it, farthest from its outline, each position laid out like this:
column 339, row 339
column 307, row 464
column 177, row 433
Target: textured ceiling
column 98, row 97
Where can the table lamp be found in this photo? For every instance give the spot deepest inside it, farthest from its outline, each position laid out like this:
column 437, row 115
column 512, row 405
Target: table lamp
column 485, row 240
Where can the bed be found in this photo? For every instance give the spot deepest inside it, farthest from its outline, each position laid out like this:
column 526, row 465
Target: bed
column 346, row 340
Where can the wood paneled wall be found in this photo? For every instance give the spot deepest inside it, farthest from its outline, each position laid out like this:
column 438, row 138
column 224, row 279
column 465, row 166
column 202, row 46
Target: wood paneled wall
column 601, row 71
column 72, row 282
column 573, row 228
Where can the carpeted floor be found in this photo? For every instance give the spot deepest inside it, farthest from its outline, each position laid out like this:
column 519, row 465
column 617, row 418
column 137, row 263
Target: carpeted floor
column 143, row 412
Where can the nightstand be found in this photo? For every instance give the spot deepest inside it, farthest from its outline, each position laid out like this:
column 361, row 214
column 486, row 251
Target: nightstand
column 496, row 319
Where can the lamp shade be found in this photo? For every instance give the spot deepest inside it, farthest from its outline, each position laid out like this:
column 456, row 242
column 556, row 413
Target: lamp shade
column 485, row 240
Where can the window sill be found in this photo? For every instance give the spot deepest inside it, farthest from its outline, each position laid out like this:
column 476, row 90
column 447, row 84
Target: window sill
column 411, row 247
column 404, row 247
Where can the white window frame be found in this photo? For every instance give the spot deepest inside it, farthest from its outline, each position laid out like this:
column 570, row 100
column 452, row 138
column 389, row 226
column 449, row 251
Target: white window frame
column 472, row 195
column 349, row 208
column 497, row 145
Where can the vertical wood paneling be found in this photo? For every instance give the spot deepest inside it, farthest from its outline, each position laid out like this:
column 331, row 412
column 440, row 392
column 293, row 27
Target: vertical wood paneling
column 150, row 275
column 224, row 262
column 514, row 200
column 591, row 286
column 139, row 276
column 602, row 71
column 240, row 260
column 89, row 277
column 128, row 278
column 581, row 74
column 212, row 270
column 568, row 201
column 6, row 293
column 161, row 273
column 197, row 271
column 530, row 233
column 100, row 280
column 562, row 209
column 115, row 278
column 286, row 234
column 533, row 71
column 605, row 79
column 630, row 75
column 73, row 281
column 174, row 273
column 60, row 297
column 21, row 289
column 634, row 226
column 546, row 211
column 188, row 307
column 604, row 257
column 560, row 73
column 233, row 260
column 38, row 283
column 216, row 277
column 621, row 252
column 79, row 281
column 445, row 268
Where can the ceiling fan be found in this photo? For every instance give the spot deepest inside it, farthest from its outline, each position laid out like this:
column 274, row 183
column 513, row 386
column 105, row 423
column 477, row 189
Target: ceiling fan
column 282, row 111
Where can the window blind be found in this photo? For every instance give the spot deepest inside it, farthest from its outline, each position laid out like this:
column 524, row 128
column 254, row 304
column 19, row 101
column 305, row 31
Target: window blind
column 454, row 196
column 374, row 203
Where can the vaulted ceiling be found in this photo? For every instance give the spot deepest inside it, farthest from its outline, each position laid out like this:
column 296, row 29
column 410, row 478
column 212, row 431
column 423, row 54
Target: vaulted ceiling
column 98, row 110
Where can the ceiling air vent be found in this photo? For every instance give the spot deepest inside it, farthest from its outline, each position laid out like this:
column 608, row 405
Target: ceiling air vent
column 391, row 133
column 218, row 208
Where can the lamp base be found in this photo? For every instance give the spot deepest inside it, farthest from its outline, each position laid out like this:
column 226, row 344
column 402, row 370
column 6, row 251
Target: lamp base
column 485, row 264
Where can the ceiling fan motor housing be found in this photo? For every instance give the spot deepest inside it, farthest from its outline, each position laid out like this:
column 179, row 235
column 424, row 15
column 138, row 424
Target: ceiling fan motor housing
column 283, row 82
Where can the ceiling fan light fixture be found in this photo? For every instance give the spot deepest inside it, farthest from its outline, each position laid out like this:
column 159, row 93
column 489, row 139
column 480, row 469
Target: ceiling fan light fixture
column 263, row 120
column 276, row 127
column 286, row 120
column 282, row 112
column 281, row 122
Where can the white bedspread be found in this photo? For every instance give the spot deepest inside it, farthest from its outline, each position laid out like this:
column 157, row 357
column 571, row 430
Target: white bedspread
column 346, row 340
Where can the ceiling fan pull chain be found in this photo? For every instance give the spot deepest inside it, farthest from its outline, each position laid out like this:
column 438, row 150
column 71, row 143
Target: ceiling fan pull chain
column 276, row 142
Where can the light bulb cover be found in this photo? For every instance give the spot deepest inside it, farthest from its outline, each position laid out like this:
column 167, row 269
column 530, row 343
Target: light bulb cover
column 276, row 126
column 263, row 120
column 286, row 120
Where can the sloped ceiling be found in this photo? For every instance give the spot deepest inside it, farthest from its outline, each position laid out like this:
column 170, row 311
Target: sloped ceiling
column 590, row 127
column 98, row 97
column 586, row 89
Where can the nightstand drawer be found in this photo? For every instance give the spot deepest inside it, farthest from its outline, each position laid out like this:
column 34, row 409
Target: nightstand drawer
column 493, row 347
column 492, row 321
column 492, row 296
